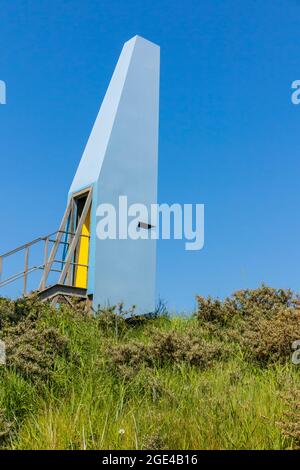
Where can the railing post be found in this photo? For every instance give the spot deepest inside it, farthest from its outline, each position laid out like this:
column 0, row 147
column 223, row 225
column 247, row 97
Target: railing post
column 25, row 270
column 45, row 263
column 1, row 265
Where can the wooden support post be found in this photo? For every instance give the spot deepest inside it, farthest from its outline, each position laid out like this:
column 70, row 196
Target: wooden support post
column 76, row 238
column 69, row 278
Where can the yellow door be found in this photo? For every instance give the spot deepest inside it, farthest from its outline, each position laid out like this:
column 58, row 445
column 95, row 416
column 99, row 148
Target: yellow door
column 81, row 277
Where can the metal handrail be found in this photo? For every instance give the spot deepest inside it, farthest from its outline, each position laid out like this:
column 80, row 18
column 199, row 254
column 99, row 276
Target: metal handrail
column 36, row 240
column 32, row 269
column 70, row 255
column 29, row 270
column 17, row 276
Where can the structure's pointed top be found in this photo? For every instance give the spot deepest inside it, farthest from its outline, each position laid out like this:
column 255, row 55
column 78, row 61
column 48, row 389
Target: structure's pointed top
column 139, row 59
column 141, row 39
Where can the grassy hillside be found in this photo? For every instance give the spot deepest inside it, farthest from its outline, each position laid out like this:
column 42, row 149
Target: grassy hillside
column 222, row 379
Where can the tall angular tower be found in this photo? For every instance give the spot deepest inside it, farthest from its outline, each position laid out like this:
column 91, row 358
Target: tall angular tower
column 120, row 158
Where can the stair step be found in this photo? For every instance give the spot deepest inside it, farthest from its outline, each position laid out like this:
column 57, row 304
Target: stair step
column 60, row 289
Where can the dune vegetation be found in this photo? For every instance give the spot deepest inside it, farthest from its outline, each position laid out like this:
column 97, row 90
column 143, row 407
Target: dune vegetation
column 221, row 379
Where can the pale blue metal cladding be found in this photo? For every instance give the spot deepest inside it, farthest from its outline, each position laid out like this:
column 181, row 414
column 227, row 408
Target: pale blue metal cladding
column 120, row 158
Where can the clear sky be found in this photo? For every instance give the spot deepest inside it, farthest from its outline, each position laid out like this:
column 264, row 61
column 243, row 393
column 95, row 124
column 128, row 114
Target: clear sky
column 229, row 134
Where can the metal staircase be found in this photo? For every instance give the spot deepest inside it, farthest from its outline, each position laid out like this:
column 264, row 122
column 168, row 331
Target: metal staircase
column 59, row 257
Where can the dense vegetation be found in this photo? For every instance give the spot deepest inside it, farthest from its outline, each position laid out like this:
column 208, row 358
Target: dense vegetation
column 221, row 379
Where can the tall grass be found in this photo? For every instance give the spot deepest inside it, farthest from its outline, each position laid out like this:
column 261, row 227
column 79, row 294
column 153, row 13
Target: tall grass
column 87, row 404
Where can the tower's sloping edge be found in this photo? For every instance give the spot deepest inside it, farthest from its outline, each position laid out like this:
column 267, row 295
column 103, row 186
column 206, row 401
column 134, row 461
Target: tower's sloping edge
column 92, row 159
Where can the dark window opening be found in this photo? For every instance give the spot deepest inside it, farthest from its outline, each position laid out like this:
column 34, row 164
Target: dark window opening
column 80, row 203
column 145, row 225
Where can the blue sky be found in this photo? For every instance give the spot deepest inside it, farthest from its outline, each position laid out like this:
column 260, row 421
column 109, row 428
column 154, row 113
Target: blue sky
column 229, row 135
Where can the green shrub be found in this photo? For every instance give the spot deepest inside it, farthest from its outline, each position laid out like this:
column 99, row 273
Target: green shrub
column 32, row 351
column 269, row 339
column 166, row 348
column 263, row 322
column 290, row 425
column 111, row 321
column 263, row 301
